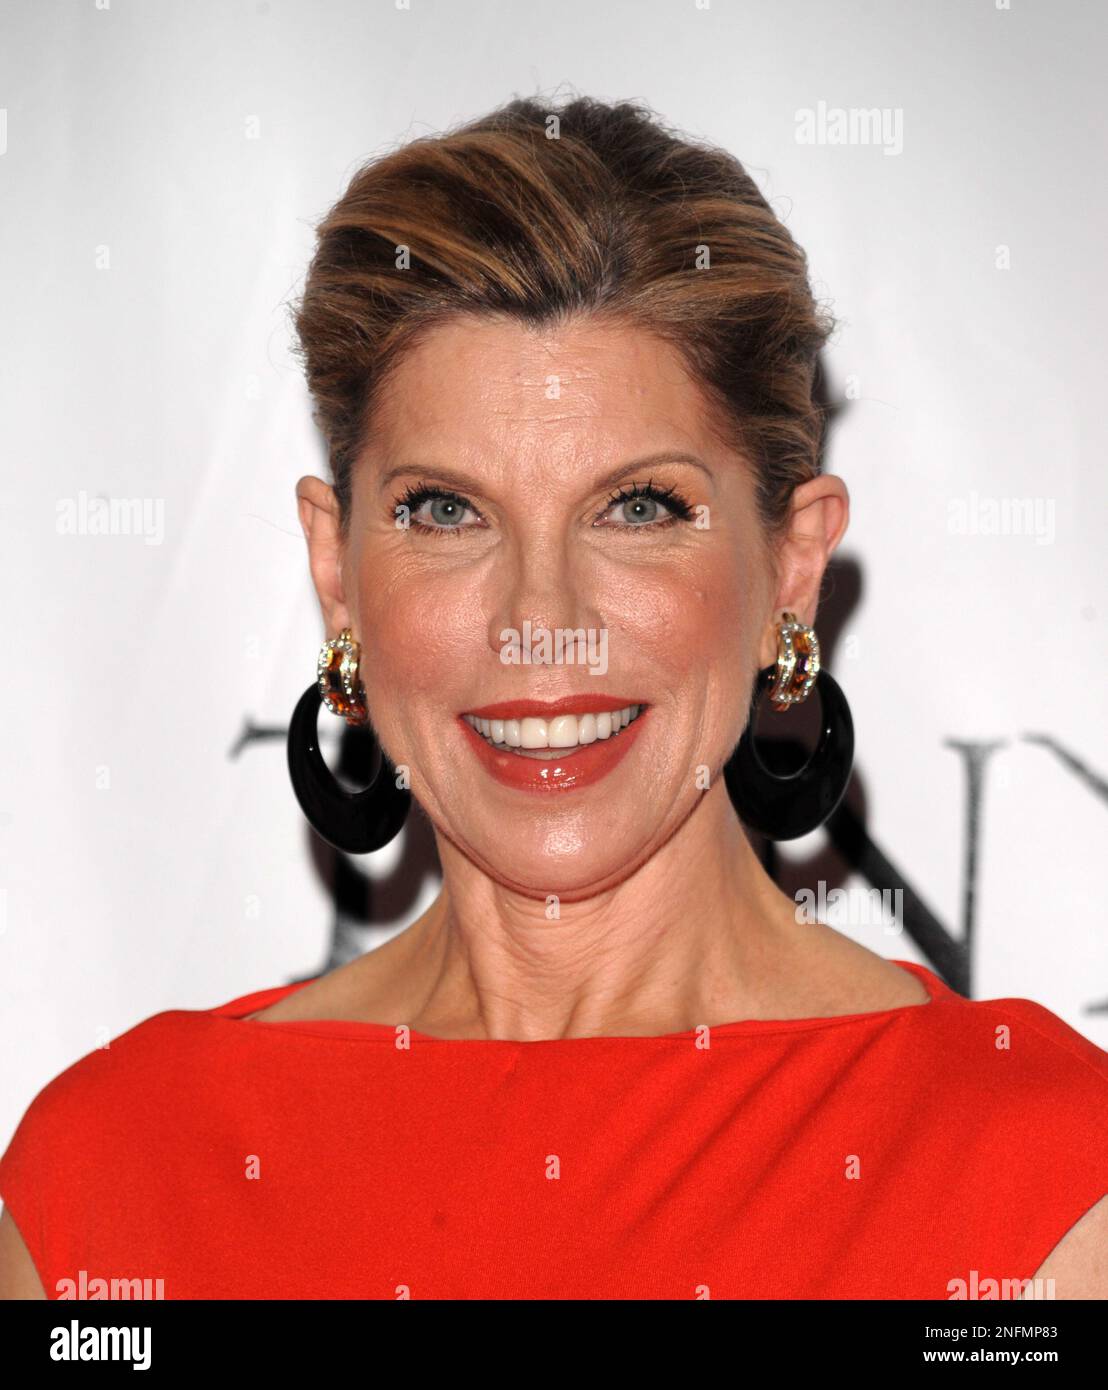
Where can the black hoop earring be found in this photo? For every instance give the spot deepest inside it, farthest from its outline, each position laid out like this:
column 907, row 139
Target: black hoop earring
column 786, row 807
column 355, row 822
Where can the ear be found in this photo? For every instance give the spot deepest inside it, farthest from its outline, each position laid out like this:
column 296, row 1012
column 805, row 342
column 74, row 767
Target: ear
column 319, row 519
column 819, row 516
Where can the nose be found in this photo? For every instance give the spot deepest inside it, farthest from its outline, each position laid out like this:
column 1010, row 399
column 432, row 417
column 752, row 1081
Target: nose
column 544, row 583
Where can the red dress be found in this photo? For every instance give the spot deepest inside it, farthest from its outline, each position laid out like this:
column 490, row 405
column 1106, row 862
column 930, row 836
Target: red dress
column 880, row 1155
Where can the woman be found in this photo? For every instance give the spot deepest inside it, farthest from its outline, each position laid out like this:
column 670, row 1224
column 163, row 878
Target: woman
column 564, row 364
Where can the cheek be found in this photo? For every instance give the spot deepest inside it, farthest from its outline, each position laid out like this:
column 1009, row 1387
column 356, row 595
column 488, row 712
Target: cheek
column 695, row 616
column 422, row 631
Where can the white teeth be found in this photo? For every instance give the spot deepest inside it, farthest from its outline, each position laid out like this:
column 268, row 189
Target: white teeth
column 532, row 733
column 562, row 731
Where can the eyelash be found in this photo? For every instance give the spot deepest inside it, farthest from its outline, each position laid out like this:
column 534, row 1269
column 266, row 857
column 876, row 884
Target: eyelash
column 413, row 498
column 669, row 497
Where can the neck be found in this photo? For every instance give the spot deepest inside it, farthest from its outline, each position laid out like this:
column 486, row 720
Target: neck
column 698, row 935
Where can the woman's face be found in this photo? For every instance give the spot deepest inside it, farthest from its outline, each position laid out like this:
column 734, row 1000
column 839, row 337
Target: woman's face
column 509, row 448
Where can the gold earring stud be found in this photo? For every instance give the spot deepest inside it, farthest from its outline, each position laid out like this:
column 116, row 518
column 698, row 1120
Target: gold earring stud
column 337, row 671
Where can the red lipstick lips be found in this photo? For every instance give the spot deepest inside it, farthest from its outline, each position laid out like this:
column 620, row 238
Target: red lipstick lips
column 547, row 709
column 579, row 767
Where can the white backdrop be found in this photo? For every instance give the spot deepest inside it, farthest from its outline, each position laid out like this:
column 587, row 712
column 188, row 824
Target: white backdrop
column 163, row 166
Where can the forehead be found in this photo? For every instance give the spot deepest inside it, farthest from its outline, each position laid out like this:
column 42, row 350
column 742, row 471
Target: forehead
column 502, row 388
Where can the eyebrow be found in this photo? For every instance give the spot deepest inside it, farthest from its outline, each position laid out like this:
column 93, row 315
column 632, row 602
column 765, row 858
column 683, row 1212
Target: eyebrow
column 460, row 480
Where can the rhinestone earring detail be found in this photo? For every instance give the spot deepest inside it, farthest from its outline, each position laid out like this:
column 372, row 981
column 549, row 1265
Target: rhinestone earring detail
column 337, row 672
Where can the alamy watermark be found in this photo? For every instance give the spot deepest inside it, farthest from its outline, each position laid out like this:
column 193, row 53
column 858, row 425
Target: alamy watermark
column 96, row 1286
column 111, row 516
column 977, row 1286
column 855, row 125
column 1002, row 516
column 559, row 646
column 852, row 907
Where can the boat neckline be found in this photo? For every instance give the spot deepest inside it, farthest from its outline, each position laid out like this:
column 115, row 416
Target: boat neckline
column 234, row 1012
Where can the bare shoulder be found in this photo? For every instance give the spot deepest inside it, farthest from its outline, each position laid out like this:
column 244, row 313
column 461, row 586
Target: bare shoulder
column 313, row 1000
column 355, row 991
column 1078, row 1264
column 18, row 1276
column 839, row 976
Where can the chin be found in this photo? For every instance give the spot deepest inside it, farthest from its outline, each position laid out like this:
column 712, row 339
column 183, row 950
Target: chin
column 571, row 862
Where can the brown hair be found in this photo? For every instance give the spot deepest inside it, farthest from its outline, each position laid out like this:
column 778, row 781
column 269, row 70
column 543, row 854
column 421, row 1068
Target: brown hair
column 543, row 213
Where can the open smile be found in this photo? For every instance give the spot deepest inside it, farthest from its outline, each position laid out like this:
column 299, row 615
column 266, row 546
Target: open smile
column 560, row 745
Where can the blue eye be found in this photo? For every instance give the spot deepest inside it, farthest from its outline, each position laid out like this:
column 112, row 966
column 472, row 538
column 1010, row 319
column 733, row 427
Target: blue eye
column 639, row 507
column 638, row 511
column 444, row 509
